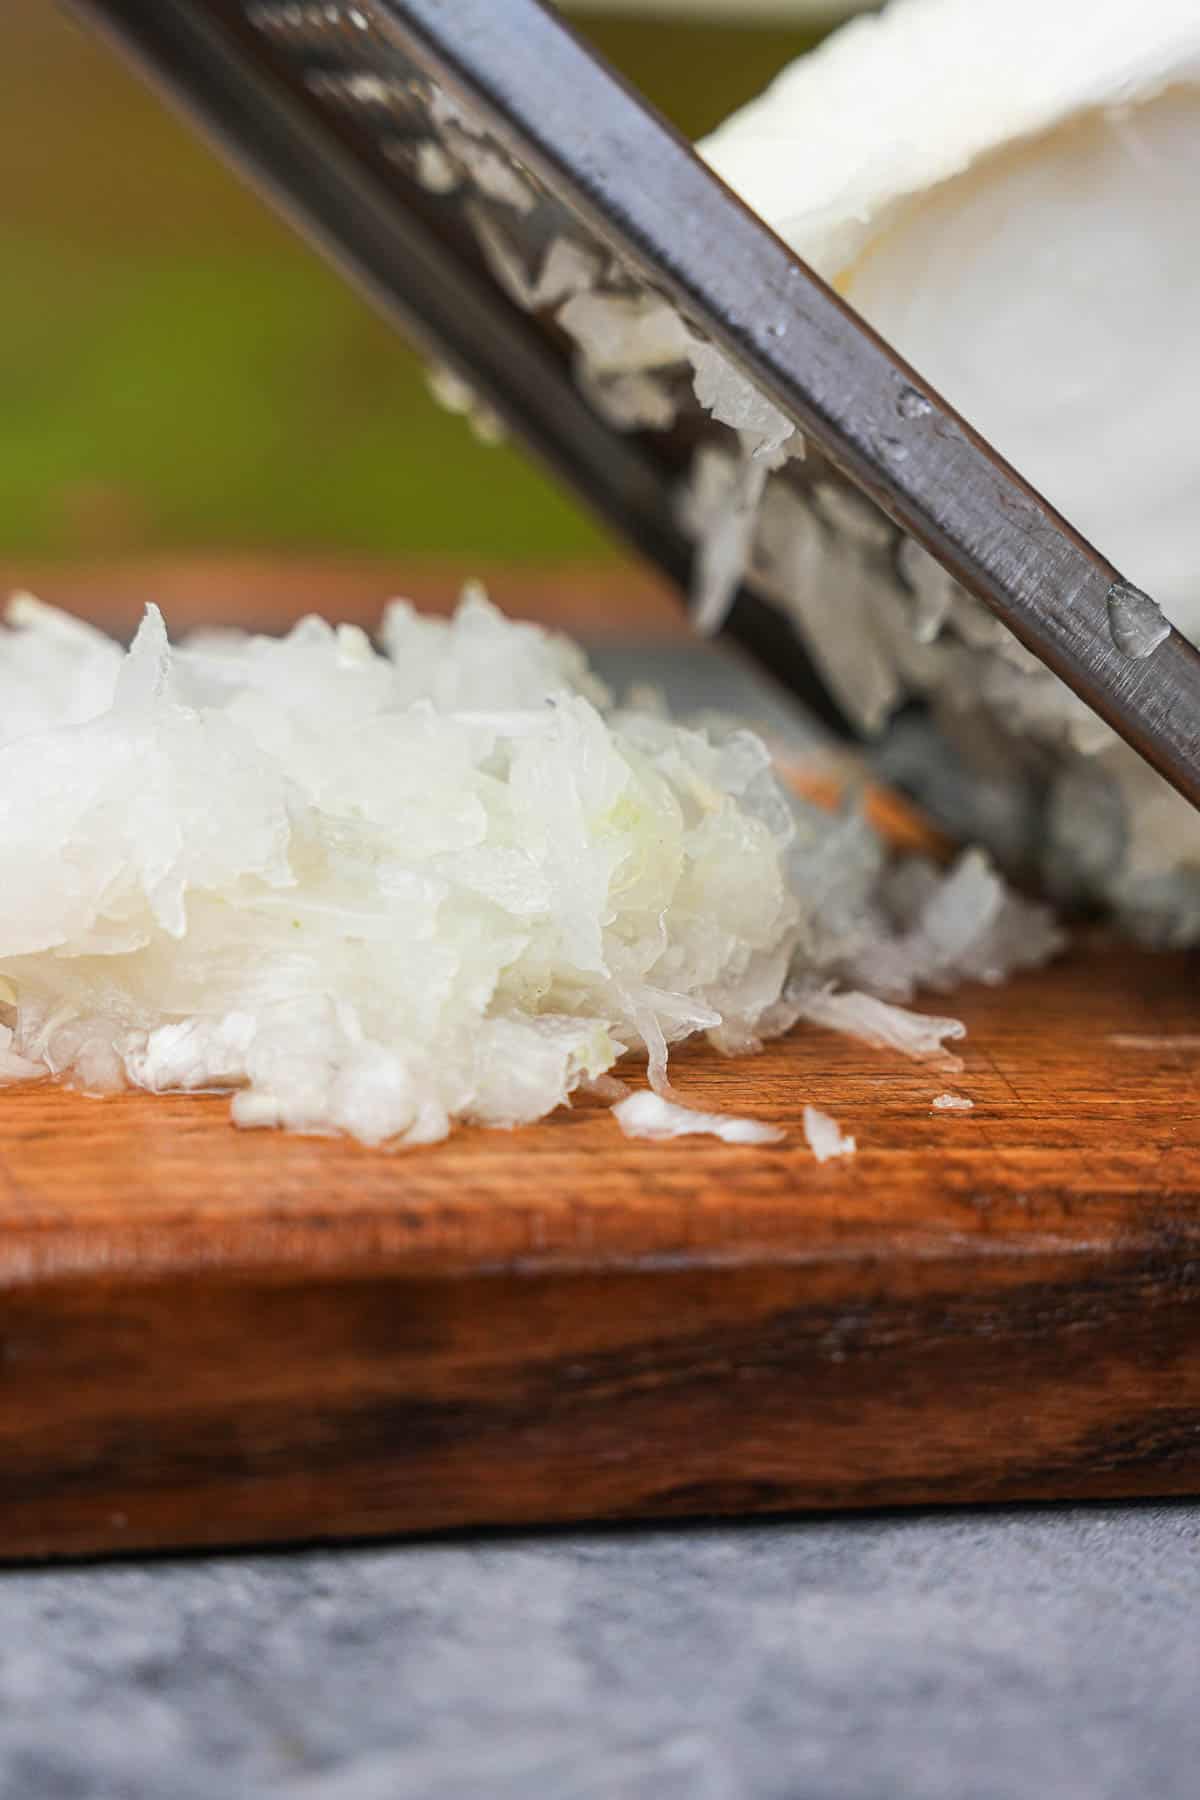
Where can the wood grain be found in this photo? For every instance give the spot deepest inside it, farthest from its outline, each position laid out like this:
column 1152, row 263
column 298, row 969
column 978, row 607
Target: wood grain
column 214, row 1337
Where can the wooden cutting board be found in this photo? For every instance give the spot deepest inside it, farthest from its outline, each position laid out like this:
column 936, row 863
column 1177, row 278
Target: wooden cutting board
column 215, row 1337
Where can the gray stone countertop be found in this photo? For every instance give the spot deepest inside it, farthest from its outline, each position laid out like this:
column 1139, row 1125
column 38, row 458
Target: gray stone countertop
column 971, row 1656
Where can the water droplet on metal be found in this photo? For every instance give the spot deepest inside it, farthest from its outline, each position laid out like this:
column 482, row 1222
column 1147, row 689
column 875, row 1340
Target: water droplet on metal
column 912, row 405
column 896, row 448
column 1135, row 621
column 778, row 330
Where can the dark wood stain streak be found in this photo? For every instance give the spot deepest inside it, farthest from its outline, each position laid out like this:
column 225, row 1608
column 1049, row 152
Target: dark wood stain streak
column 229, row 1408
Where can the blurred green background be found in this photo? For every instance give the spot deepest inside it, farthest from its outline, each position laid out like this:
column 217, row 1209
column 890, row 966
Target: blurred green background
column 176, row 371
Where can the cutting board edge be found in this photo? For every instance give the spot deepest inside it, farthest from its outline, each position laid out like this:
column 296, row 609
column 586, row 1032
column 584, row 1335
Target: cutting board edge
column 164, row 1414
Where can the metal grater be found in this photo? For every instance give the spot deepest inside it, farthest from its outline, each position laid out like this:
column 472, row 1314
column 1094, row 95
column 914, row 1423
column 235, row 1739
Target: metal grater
column 465, row 161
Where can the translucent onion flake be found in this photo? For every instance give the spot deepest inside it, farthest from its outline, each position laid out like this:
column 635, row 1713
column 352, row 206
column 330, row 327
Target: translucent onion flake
column 647, row 1115
column 824, row 1135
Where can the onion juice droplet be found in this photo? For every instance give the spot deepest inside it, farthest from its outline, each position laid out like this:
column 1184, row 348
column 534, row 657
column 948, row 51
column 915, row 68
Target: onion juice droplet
column 1135, row 621
column 911, row 405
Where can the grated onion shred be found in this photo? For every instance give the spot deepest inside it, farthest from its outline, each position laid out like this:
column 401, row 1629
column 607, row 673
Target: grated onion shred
column 824, row 1135
column 647, row 1115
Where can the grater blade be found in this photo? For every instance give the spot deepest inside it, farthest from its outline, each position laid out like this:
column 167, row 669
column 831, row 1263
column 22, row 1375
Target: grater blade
column 439, row 150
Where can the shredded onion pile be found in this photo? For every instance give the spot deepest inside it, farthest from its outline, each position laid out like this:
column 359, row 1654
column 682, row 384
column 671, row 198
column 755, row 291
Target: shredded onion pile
column 376, row 891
